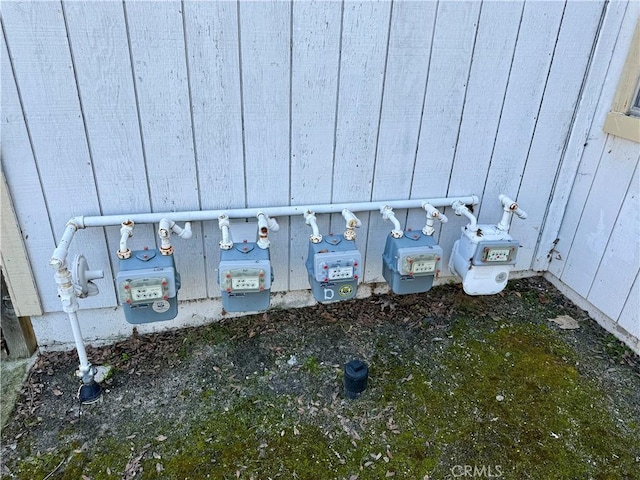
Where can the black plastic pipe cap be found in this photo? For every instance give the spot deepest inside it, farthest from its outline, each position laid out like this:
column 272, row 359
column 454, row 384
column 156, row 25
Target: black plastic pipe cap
column 89, row 393
column 356, row 374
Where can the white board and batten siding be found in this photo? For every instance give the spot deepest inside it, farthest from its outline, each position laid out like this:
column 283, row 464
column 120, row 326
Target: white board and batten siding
column 405, row 79
column 42, row 63
column 130, row 107
column 596, row 256
column 212, row 48
column 315, row 64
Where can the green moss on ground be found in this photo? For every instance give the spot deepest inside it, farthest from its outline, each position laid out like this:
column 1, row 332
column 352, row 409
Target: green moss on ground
column 484, row 396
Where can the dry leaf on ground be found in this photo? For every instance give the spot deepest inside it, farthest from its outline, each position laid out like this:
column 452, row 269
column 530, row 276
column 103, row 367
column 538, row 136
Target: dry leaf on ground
column 565, row 322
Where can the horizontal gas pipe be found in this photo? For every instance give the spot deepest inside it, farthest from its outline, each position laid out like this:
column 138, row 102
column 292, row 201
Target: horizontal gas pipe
column 287, row 211
column 80, row 222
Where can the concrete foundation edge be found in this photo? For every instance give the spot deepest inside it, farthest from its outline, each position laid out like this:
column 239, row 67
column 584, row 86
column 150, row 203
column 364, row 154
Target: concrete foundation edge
column 105, row 326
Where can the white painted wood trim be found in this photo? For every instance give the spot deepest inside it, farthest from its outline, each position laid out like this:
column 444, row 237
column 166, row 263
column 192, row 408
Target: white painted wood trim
column 623, row 125
column 15, row 261
column 630, row 75
column 619, row 122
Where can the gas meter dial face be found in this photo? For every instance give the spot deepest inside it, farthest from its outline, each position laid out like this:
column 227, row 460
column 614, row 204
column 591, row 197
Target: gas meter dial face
column 244, row 279
column 497, row 254
column 340, row 273
column 135, row 291
column 146, row 292
column 419, row 264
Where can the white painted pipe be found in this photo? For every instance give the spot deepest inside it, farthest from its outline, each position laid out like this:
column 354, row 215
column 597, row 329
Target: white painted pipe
column 86, row 372
column 509, row 207
column 460, row 208
column 387, row 214
column 223, row 223
column 310, row 219
column 166, row 227
column 60, row 253
column 353, row 222
column 273, row 224
column 59, row 256
column 263, row 231
column 67, row 295
column 184, row 233
column 432, row 213
column 164, row 232
column 351, row 219
column 286, row 211
column 126, row 231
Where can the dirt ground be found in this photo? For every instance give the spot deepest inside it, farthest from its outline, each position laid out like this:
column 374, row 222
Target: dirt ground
column 458, row 386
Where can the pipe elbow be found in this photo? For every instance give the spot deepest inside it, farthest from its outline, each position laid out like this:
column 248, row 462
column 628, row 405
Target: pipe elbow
column 184, row 233
column 127, row 227
column 351, row 219
column 164, row 229
column 387, row 214
column 509, row 205
column 223, row 221
column 77, row 222
column 224, row 225
column 433, row 212
column 265, row 223
column 460, row 208
column 310, row 219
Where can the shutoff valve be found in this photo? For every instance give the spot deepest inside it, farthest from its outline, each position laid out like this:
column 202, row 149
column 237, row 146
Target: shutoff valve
column 485, row 254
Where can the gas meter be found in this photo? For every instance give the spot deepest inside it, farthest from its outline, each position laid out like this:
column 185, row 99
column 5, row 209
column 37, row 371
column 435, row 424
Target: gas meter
column 148, row 286
column 483, row 258
column 410, row 263
column 334, row 267
column 485, row 254
column 245, row 278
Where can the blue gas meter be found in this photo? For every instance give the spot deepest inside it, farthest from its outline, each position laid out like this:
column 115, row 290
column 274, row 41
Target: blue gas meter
column 334, row 267
column 148, row 285
column 410, row 263
column 245, row 278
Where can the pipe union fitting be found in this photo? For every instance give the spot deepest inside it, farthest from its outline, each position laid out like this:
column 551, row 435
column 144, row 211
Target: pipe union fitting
column 349, row 234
